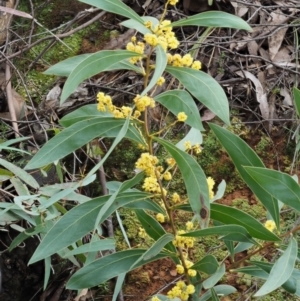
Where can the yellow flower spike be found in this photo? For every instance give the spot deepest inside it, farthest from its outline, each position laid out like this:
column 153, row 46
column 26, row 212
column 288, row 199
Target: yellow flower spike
column 189, row 226
column 170, row 58
column 187, row 60
column 142, row 233
column 171, row 161
column 167, row 176
column 177, row 60
column 133, row 39
column 190, row 289
column 130, row 46
column 155, row 298
column 151, row 39
column 180, row 284
column 179, row 269
column 173, row 43
column 136, row 114
column 175, row 198
column 160, row 81
column 196, row 65
column 148, row 24
column 182, row 117
column 197, row 149
column 101, row 107
column 151, row 185
column 126, row 111
column 172, row 2
column 187, row 145
column 184, row 296
column 270, row 225
column 210, row 183
column 166, row 23
column 192, row 273
column 160, row 217
column 118, row 114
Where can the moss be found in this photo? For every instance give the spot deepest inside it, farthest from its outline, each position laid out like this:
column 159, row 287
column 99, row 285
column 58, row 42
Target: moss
column 255, row 210
column 263, row 146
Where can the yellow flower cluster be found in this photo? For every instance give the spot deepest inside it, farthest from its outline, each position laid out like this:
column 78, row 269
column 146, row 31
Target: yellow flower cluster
column 181, row 117
column 270, row 225
column 167, row 176
column 160, row 217
column 142, row 233
column 181, row 290
column 182, row 241
column 151, row 39
column 210, row 183
column 189, row 226
column 172, row 2
column 180, row 270
column 162, row 34
column 124, row 112
column 175, row 198
column 147, row 163
column 197, row 149
column 177, row 60
column 142, row 102
column 171, row 161
column 188, row 146
column 155, row 298
column 138, row 47
column 104, row 103
column 160, row 81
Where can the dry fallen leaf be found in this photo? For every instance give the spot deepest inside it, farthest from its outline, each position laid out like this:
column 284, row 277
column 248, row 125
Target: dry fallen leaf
column 261, row 96
column 275, row 39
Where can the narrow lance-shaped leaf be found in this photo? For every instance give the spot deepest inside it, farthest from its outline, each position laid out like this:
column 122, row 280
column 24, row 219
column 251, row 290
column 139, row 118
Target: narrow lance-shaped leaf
column 19, row 172
column 78, row 135
column 115, row 7
column 229, row 215
column 208, row 265
column 125, row 185
column 118, row 286
column 213, row 279
column 78, row 222
column 153, row 228
column 83, row 113
column 96, row 246
column 154, row 250
column 296, row 93
column 278, row 184
column 213, row 19
column 194, row 179
column 221, row 290
column 262, row 270
column 108, row 267
column 65, row 67
column 92, row 65
column 226, row 232
column 281, row 271
column 242, row 155
column 160, row 65
column 204, row 88
column 177, row 101
column 214, row 296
